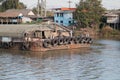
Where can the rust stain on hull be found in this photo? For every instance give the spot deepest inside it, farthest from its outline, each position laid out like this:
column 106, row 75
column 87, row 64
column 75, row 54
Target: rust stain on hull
column 68, row 46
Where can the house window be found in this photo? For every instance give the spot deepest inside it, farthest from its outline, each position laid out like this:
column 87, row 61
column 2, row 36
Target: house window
column 61, row 14
column 57, row 14
column 56, row 21
column 61, row 21
column 69, row 22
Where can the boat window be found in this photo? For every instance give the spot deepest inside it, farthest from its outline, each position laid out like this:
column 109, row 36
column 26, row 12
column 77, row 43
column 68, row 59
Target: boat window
column 26, row 34
column 43, row 35
column 37, row 34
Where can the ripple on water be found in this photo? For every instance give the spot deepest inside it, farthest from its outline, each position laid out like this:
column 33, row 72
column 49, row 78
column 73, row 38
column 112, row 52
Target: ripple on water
column 97, row 63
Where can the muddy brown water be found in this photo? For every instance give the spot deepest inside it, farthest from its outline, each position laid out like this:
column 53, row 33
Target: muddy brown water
column 99, row 62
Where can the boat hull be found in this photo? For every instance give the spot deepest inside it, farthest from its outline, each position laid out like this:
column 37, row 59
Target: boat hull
column 60, row 47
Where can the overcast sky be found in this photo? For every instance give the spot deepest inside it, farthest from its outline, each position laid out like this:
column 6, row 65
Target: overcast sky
column 109, row 4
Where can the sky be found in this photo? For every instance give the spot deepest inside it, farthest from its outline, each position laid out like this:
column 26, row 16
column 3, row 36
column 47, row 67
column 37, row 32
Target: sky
column 109, row 4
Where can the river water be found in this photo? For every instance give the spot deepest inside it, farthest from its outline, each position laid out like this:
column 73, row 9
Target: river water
column 99, row 62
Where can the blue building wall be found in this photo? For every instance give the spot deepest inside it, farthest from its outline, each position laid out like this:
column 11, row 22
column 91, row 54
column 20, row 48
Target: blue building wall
column 64, row 18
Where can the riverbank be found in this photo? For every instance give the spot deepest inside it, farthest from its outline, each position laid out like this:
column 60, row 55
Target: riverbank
column 109, row 33
column 105, row 33
column 86, row 32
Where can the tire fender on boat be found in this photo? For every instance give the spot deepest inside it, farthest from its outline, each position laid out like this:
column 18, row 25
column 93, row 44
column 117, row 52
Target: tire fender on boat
column 90, row 41
column 80, row 39
column 25, row 46
column 83, row 40
column 11, row 44
column 46, row 43
column 67, row 40
column 60, row 41
column 77, row 39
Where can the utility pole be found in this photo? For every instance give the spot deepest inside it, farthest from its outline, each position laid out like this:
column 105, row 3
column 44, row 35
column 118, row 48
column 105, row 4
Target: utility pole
column 38, row 10
column 43, row 8
column 69, row 3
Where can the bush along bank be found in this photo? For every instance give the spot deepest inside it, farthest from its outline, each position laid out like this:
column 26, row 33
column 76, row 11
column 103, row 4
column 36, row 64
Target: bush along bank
column 109, row 33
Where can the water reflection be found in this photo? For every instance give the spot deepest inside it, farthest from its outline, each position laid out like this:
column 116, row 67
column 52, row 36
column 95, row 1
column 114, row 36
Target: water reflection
column 94, row 63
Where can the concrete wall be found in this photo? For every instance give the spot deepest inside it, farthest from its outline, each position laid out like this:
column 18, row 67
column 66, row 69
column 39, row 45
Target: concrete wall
column 31, row 13
column 26, row 19
column 113, row 19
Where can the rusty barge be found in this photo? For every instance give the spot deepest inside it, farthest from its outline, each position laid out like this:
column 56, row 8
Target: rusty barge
column 42, row 37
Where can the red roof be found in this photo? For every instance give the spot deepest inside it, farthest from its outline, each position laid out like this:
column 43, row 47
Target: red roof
column 65, row 9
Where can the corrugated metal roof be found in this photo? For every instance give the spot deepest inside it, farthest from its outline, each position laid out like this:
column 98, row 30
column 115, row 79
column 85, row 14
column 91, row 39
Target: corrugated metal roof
column 111, row 14
column 16, row 12
column 20, row 30
column 23, row 11
column 7, row 14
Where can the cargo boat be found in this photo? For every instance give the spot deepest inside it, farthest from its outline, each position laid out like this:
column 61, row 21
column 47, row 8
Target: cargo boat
column 42, row 37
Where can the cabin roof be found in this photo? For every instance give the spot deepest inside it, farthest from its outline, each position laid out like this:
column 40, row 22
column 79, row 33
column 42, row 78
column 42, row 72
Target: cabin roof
column 20, row 30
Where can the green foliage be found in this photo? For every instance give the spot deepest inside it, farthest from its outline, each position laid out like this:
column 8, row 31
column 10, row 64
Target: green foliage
column 108, row 32
column 11, row 4
column 88, row 13
column 1, row 0
column 103, row 21
column 35, row 10
column 48, row 13
column 21, row 6
column 116, row 32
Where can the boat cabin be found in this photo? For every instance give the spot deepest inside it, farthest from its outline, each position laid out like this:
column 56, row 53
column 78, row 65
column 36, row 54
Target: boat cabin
column 20, row 33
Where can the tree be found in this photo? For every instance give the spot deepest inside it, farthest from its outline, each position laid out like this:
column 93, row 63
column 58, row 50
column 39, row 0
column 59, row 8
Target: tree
column 35, row 10
column 21, row 6
column 48, row 13
column 11, row 4
column 103, row 21
column 88, row 13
